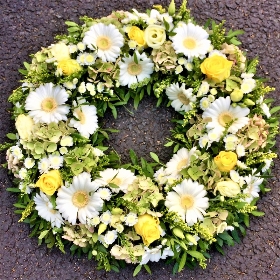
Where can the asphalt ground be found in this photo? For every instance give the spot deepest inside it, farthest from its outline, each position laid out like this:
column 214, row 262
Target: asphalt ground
column 25, row 26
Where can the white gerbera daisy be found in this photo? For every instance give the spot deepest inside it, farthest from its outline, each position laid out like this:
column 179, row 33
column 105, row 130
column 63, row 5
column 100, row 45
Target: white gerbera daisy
column 222, row 114
column 179, row 161
column 87, row 122
column 79, row 200
column 106, row 40
column 188, row 200
column 183, row 98
column 45, row 104
column 253, row 187
column 191, row 40
column 117, row 177
column 46, row 211
column 55, row 161
column 132, row 72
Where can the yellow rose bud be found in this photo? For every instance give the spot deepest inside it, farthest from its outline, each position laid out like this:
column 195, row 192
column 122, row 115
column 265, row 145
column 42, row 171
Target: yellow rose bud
column 226, row 161
column 249, row 102
column 172, row 8
column 227, row 188
column 136, row 34
column 154, row 36
column 236, row 95
column 148, row 228
column 69, row 66
column 24, row 125
column 50, row 182
column 178, row 232
column 117, row 211
column 60, row 51
column 191, row 239
column 216, row 68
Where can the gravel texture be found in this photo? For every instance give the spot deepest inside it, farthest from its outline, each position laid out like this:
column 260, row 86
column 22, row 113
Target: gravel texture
column 25, row 26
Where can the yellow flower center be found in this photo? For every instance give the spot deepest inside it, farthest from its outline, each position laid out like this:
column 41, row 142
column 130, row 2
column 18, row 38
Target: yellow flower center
column 48, row 104
column 134, row 69
column 80, row 199
column 225, row 118
column 182, row 163
column 182, row 97
column 116, row 181
column 187, row 201
column 189, row 43
column 103, row 43
column 81, row 116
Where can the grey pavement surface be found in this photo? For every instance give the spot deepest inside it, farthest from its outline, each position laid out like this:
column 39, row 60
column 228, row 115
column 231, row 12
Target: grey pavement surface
column 25, row 26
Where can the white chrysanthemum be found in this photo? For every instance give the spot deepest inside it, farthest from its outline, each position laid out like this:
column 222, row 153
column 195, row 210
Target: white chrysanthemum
column 191, row 40
column 234, row 176
column 179, row 161
column 188, row 200
column 91, row 88
column 266, row 110
column 16, row 152
column 22, row 173
column 82, row 88
column 222, row 114
column 55, row 161
column 104, row 193
column 204, row 103
column 179, row 69
column 214, row 135
column 100, row 87
column 69, row 85
column 110, row 237
column 182, row 98
column 160, row 176
column 267, row 165
column 94, row 221
column 240, row 150
column 46, row 211
column 29, row 163
column 155, row 254
column 248, row 85
column 86, row 58
column 203, row 89
column 81, row 46
column 24, row 188
column 63, row 150
column 131, row 219
column 241, row 165
column 253, row 187
column 118, row 177
column 132, row 72
column 87, row 122
column 44, row 165
column 106, row 217
column 97, row 152
column 106, row 40
column 79, row 199
column 189, row 66
column 46, row 104
column 204, row 141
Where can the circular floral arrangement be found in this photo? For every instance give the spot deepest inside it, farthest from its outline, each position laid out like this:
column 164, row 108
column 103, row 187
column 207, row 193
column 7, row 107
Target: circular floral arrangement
column 74, row 190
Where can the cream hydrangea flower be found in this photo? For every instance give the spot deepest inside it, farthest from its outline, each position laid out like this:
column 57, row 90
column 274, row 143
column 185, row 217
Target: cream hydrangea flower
column 132, row 72
column 106, row 40
column 79, row 200
column 182, row 98
column 222, row 114
column 191, row 40
column 46, row 104
column 188, row 200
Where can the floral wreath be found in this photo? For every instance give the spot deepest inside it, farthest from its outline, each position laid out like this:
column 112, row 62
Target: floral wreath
column 74, row 190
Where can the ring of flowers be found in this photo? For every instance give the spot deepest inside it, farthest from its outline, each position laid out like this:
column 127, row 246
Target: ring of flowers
column 72, row 190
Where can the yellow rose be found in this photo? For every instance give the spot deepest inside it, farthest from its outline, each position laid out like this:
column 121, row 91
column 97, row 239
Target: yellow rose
column 24, row 126
column 226, row 161
column 69, row 66
column 50, row 182
column 216, row 68
column 60, row 51
column 136, row 34
column 227, row 188
column 154, row 36
column 148, row 228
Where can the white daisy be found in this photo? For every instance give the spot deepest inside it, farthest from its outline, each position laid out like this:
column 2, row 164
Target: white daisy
column 188, row 200
column 119, row 179
column 79, row 199
column 94, row 221
column 55, row 161
column 16, row 152
column 131, row 219
column 253, row 187
column 222, row 114
column 110, row 237
column 24, row 188
column 191, row 40
column 104, row 193
column 160, row 176
column 46, row 211
column 106, row 40
column 155, row 254
column 22, row 173
column 182, row 98
column 179, row 161
column 86, row 58
column 87, row 122
column 267, row 165
column 240, row 150
column 132, row 72
column 29, row 163
column 204, row 142
column 204, row 103
column 106, row 217
column 46, row 104
column 44, row 165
